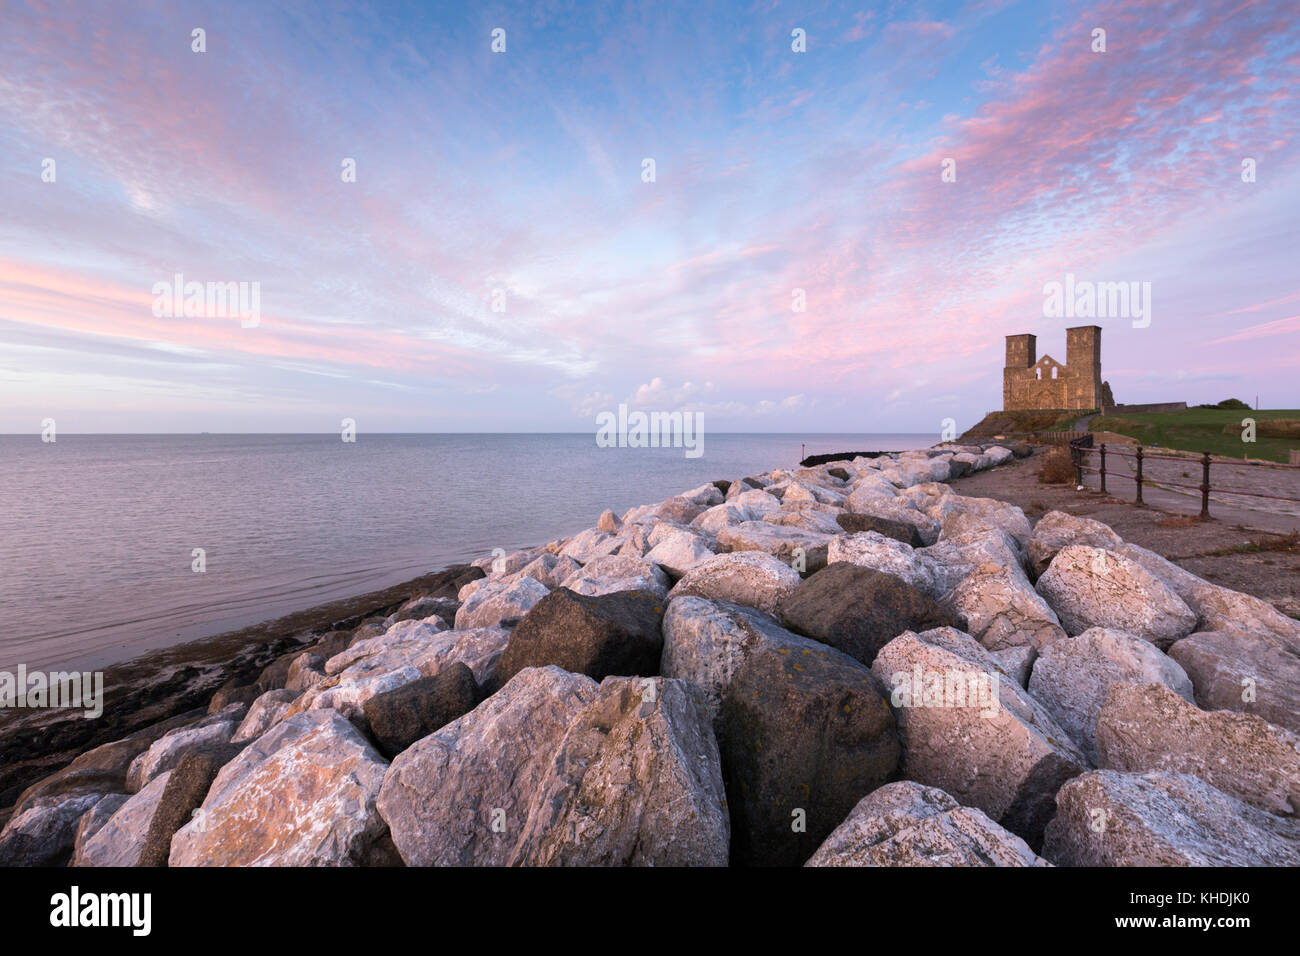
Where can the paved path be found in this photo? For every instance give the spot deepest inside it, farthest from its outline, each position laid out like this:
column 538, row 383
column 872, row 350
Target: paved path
column 1266, row 514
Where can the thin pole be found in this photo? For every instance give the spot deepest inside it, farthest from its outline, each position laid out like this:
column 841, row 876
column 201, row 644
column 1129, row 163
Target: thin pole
column 1139, row 475
column 1103, row 468
column 1205, row 485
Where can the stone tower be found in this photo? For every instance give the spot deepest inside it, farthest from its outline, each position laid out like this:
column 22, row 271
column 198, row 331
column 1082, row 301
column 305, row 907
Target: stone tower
column 1031, row 383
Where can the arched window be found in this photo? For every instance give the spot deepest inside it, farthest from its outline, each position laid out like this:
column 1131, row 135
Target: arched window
column 1038, row 373
column 1053, row 371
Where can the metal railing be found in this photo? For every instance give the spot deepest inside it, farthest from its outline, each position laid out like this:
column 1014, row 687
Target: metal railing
column 1079, row 452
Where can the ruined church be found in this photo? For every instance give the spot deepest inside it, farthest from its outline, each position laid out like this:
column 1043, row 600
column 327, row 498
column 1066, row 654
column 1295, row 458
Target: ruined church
column 1031, row 383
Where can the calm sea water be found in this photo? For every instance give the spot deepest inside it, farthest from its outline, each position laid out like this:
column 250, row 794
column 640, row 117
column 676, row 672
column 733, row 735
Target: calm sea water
column 97, row 531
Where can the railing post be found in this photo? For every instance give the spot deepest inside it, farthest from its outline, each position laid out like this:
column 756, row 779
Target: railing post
column 1139, row 475
column 1103, row 468
column 1205, row 485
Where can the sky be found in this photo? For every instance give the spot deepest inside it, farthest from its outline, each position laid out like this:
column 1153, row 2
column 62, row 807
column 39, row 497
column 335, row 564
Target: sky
column 504, row 261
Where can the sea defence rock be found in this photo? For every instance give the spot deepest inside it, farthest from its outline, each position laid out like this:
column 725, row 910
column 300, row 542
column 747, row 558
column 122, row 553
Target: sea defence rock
column 264, row 711
column 907, row 824
column 302, row 794
column 679, row 552
column 1218, row 608
column 803, row 729
column 754, row 578
column 211, row 734
column 965, row 545
column 859, row 610
column 1091, row 587
column 595, row 635
column 1000, row 609
column 1244, row 671
column 496, row 601
column 120, row 841
column 556, row 769
column 898, row 530
column 1072, row 677
column 42, row 828
column 871, row 550
column 1112, row 818
column 870, row 502
column 399, row 717
column 399, row 658
column 93, row 820
column 790, row 545
column 1056, row 530
column 619, row 573
column 1149, row 727
column 968, row 731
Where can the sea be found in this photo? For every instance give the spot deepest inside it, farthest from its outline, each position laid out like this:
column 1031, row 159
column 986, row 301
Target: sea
column 112, row 546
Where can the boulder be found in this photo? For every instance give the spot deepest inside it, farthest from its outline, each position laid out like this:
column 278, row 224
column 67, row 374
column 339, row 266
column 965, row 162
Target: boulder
column 120, row 840
column 549, row 569
column 868, row 501
column 399, row 717
column 1002, row 610
column 1244, row 671
column 1072, row 677
column 859, row 610
column 1016, row 662
column 1056, row 530
column 1149, row 727
column 964, row 547
column 1090, row 587
column 423, row 607
column 210, row 735
column 752, row 578
column 187, row 786
column 41, row 829
column 980, row 514
column 1218, row 608
column 619, row 573
column 868, row 549
column 898, row 530
column 972, row 733
column 555, row 769
column 1111, row 818
column 302, row 794
column 93, row 820
column 595, row 635
column 791, row 545
column 306, row 671
column 591, row 544
column 494, row 602
column 397, row 661
column 803, row 729
column 679, row 552
column 608, row 522
column 265, row 711
column 907, row 824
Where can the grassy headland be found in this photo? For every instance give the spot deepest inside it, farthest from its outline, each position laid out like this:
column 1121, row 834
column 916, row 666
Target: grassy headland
column 1216, row 430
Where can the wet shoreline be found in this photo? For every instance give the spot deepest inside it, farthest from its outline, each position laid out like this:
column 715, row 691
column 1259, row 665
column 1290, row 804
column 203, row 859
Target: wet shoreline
column 165, row 683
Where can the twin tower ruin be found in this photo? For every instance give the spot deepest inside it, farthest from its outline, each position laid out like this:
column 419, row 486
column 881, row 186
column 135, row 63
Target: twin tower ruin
column 1029, row 382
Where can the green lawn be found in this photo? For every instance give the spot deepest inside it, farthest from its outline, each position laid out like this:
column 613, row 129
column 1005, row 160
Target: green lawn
column 1218, row 431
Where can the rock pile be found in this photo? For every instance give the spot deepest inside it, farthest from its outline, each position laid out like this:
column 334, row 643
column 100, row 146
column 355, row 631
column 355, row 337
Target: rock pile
column 848, row 664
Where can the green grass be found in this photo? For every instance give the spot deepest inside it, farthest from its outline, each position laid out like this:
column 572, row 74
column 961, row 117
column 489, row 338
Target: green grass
column 1217, row 431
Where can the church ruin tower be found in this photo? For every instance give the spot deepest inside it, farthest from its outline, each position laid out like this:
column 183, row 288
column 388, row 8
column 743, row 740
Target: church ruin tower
column 1031, row 383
